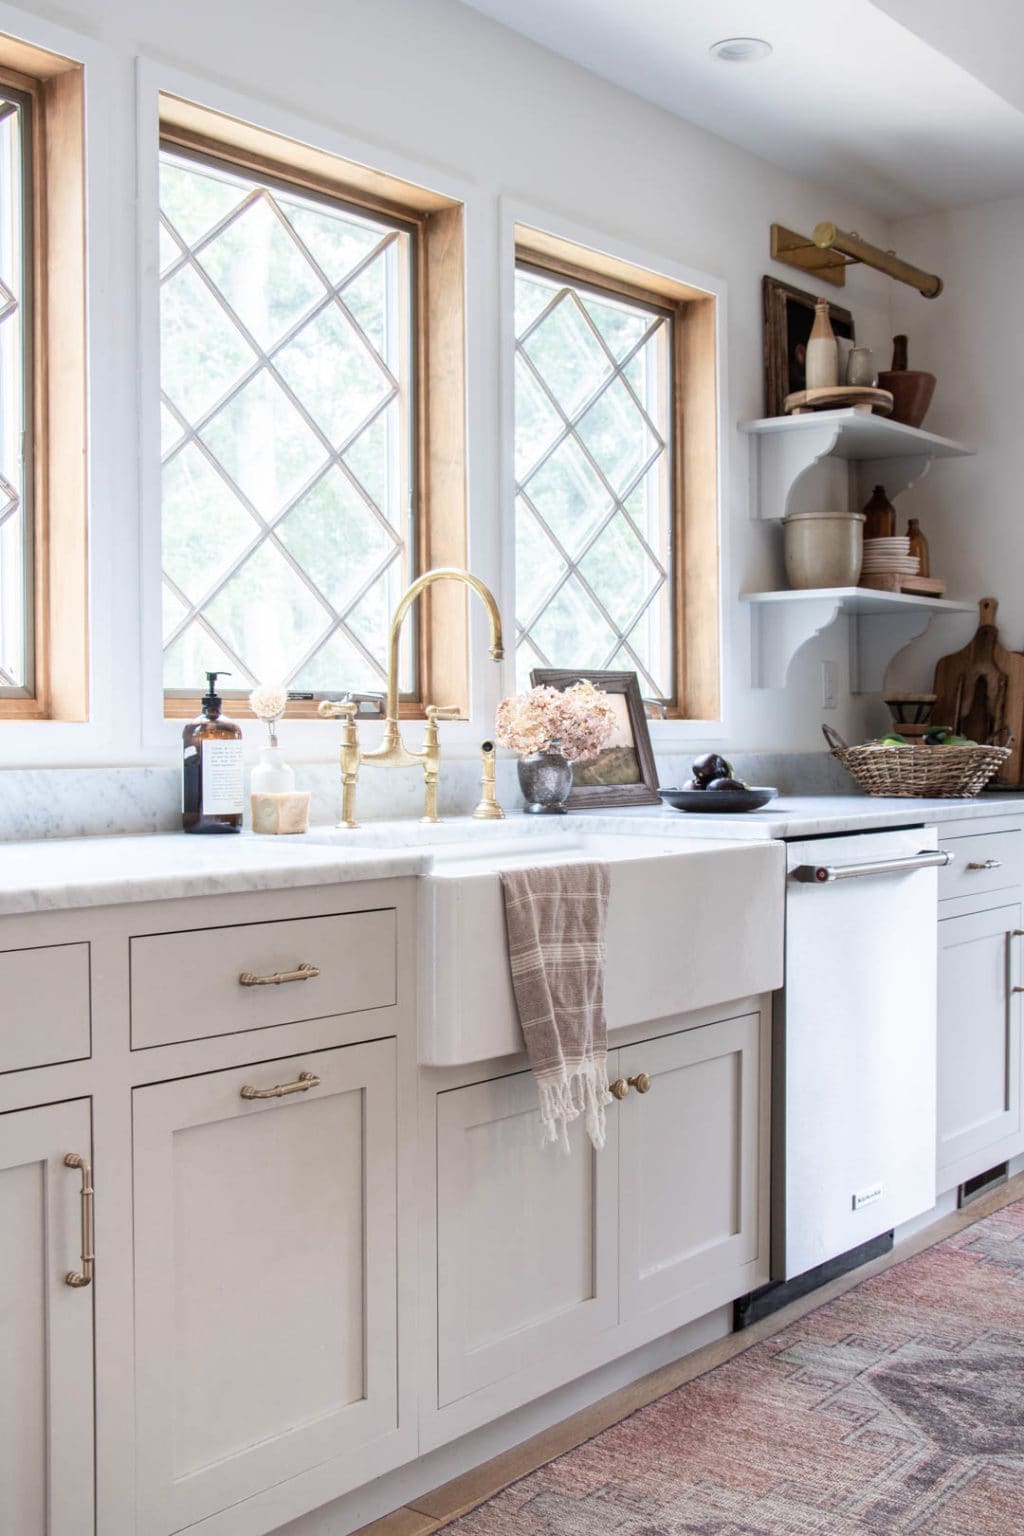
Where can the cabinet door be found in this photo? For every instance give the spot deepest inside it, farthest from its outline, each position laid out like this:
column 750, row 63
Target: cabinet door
column 525, row 1237
column 265, row 1278
column 689, row 1159
column 46, row 1379
column 979, row 1106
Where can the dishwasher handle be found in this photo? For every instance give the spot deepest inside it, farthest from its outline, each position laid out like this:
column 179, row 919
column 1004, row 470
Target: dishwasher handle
column 825, row 874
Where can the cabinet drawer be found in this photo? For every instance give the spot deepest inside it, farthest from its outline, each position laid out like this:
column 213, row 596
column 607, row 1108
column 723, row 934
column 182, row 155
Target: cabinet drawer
column 985, row 861
column 189, row 986
column 45, row 1015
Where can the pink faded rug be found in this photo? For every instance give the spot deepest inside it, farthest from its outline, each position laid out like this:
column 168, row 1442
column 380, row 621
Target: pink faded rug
column 897, row 1408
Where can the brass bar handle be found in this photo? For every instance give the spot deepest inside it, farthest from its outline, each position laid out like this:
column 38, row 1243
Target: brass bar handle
column 300, row 973
column 619, row 1088
column 77, row 1278
column 642, row 1082
column 302, row 1084
column 985, row 864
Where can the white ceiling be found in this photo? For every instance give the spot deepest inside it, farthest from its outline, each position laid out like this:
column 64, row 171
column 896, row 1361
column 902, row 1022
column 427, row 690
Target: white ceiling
column 904, row 105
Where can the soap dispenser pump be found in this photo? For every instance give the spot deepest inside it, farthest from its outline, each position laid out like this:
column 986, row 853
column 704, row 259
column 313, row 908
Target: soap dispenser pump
column 212, row 776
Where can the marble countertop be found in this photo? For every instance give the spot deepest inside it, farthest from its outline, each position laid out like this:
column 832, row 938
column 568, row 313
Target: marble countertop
column 793, row 816
column 60, row 873
column 56, row 874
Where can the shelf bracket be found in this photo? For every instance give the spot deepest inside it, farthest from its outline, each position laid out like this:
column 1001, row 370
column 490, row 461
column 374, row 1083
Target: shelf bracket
column 897, row 475
column 876, row 639
column 779, row 630
column 778, row 462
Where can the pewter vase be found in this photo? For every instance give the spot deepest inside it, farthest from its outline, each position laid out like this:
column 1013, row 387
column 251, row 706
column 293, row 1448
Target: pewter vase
column 545, row 779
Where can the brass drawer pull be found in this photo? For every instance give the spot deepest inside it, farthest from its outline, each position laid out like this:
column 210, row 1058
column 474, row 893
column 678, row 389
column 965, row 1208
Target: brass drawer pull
column 642, row 1082
column 986, row 864
column 302, row 1084
column 300, row 973
column 81, row 1277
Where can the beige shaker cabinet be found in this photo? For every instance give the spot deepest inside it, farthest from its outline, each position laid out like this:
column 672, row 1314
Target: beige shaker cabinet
column 526, row 1241
column 265, row 1278
column 46, row 1325
column 693, row 1164
column 547, row 1265
column 981, row 962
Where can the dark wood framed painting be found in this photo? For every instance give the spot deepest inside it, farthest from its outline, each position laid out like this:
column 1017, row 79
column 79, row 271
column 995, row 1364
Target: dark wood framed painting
column 623, row 773
column 788, row 317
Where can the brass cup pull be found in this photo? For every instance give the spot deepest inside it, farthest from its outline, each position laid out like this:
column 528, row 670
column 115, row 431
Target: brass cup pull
column 619, row 1088
column 302, row 1084
column 985, row 864
column 642, row 1082
column 300, row 973
column 77, row 1278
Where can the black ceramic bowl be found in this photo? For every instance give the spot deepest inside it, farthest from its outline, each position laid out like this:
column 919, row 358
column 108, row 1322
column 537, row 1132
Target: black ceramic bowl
column 718, row 802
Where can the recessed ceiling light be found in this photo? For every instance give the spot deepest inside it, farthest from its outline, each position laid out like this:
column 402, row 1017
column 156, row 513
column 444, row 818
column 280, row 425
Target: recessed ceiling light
column 740, row 50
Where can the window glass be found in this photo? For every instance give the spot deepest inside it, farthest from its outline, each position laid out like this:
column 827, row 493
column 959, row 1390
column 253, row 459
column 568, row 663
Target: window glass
column 287, row 326
column 593, row 452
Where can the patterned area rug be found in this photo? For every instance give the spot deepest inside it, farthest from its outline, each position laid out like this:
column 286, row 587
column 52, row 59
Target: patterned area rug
column 897, row 1408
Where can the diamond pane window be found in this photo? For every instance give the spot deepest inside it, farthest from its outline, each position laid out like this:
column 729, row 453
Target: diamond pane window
column 594, row 516
column 16, row 449
column 286, row 381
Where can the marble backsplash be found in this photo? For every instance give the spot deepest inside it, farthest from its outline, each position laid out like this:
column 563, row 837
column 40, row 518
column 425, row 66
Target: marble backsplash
column 91, row 802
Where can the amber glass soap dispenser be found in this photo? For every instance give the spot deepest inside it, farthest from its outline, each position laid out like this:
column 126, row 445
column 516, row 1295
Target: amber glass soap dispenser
column 212, row 776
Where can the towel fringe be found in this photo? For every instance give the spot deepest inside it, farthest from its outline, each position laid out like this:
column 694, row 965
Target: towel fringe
column 582, row 1091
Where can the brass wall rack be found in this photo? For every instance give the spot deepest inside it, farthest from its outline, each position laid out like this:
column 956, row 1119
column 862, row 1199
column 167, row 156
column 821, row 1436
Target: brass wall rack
column 830, row 251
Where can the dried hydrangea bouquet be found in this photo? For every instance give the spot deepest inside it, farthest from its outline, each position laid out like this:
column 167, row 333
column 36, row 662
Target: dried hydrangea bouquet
column 551, row 729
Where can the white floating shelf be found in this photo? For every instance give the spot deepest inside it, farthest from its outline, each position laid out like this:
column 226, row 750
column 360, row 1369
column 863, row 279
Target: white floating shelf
column 786, row 447
column 883, row 623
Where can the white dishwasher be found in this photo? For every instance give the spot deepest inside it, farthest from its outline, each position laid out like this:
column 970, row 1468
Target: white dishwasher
column 855, row 1039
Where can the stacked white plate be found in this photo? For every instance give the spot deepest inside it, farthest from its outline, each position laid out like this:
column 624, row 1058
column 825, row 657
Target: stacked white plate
column 884, row 557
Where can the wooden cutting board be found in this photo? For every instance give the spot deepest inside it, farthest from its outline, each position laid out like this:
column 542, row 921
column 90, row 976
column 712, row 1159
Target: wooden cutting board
column 1012, row 771
column 972, row 686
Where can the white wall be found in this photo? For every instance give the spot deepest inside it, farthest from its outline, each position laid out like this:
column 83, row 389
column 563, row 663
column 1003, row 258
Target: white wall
column 971, row 510
column 435, row 90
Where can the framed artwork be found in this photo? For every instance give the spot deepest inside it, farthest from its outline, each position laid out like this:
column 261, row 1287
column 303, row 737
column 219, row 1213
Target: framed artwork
column 623, row 773
column 788, row 317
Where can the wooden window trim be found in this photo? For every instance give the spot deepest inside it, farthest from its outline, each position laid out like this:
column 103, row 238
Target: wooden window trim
column 58, row 471
column 440, row 447
column 695, row 566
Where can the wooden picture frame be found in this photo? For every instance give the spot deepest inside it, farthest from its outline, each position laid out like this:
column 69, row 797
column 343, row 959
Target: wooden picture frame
column 788, row 317
column 641, row 785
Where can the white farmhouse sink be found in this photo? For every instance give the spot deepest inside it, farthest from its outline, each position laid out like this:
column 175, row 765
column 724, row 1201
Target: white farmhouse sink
column 691, row 923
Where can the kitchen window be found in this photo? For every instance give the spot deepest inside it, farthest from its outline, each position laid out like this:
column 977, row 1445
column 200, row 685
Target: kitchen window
column 616, row 550
column 43, row 662
column 299, row 330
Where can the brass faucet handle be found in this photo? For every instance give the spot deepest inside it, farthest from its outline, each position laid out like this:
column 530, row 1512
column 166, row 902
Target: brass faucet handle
column 443, row 711
column 330, row 709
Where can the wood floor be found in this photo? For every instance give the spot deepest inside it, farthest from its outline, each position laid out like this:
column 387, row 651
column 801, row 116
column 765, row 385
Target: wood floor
column 430, row 1511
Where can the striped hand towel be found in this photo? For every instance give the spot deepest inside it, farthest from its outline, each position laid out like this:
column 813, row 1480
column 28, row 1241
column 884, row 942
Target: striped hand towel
column 556, row 918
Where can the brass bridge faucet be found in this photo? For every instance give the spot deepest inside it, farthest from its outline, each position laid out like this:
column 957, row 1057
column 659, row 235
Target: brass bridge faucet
column 392, row 752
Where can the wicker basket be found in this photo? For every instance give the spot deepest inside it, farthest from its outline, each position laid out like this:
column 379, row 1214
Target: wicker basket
column 928, row 772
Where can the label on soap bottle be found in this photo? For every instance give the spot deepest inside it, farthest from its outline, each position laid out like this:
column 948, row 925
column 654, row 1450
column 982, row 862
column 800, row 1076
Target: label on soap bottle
column 223, row 778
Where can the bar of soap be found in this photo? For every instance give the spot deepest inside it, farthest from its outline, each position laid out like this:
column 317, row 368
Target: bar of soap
column 280, row 813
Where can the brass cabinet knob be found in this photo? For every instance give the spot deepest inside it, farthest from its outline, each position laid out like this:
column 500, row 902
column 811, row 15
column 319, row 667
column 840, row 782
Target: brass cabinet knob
column 642, row 1083
column 619, row 1088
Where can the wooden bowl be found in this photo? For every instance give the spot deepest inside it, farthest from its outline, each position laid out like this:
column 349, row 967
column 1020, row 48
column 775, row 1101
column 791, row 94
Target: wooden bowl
column 911, row 391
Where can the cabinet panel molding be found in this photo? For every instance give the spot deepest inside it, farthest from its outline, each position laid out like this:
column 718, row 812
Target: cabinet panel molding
column 265, row 1278
column 980, row 1112
column 46, row 1327
column 689, row 1155
column 525, row 1236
